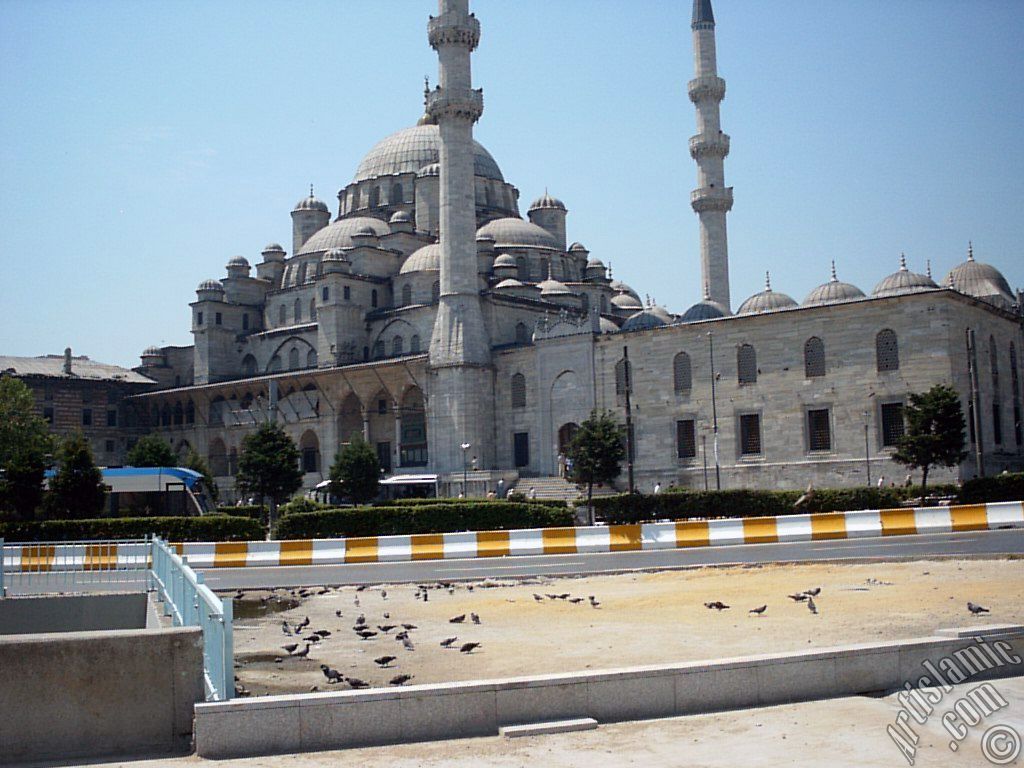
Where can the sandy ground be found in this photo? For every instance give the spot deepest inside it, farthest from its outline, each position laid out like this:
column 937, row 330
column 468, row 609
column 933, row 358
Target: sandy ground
column 836, row 732
column 643, row 618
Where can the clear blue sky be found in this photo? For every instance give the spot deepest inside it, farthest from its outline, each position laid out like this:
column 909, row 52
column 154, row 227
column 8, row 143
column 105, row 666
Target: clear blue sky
column 143, row 144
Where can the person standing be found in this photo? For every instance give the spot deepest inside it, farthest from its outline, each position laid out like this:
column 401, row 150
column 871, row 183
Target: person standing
column 500, row 490
column 561, row 464
column 657, row 488
column 533, row 493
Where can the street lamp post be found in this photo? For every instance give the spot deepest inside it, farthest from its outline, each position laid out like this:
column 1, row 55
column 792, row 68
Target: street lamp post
column 704, row 453
column 714, row 411
column 465, row 489
column 867, row 449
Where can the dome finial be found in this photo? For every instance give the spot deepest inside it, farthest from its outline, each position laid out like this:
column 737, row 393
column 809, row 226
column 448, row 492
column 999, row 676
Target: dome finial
column 426, row 89
column 707, row 291
column 609, row 270
column 767, row 280
column 834, row 278
column 970, row 251
column 928, row 268
column 903, row 262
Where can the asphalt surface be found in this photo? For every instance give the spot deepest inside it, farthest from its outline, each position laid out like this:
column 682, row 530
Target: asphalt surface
column 976, row 543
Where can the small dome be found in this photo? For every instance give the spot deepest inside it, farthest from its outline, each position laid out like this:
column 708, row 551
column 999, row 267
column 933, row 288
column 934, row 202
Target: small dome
column 425, row 259
column 645, row 319
column 364, row 231
column 510, row 282
column 620, row 287
column 766, row 301
column 551, row 287
column 705, row 309
column 505, row 260
column 903, row 281
column 626, row 301
column 547, row 201
column 607, row 326
column 153, row 351
column 433, row 169
column 335, row 254
column 210, row 285
column 238, row 261
column 512, row 232
column 311, row 203
column 833, row 291
column 595, row 264
column 401, row 217
column 485, row 238
column 980, row 280
column 577, row 247
column 340, row 233
column 273, row 248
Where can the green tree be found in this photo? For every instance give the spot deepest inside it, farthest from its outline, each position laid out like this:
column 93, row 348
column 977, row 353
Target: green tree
column 25, row 443
column 197, row 463
column 77, row 490
column 269, row 467
column 151, row 451
column 356, row 471
column 596, row 452
column 935, row 431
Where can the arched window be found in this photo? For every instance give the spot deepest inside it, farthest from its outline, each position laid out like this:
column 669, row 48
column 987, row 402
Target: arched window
column 620, row 377
column 298, row 310
column 190, row 412
column 396, row 346
column 302, row 273
column 488, row 196
column 282, row 315
column 233, row 461
column 604, row 304
column 275, row 364
column 522, row 271
column 545, row 268
column 1018, row 432
column 309, row 448
column 378, row 348
column 179, row 414
column 312, row 309
column 585, row 302
column 396, row 193
column 406, row 295
column 887, row 351
column 414, row 343
column 522, row 334
column 814, row 357
column 293, row 359
column 682, row 377
column 746, row 364
column 374, row 197
column 217, row 457
column 217, row 406
column 248, row 365
column 311, row 359
column 353, row 199
column 518, row 391
column 165, row 416
column 373, row 298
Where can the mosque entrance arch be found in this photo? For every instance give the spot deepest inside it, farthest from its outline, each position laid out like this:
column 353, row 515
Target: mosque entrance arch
column 566, row 433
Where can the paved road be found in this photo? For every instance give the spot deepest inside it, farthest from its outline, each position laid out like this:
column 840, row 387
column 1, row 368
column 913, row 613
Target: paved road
column 900, row 547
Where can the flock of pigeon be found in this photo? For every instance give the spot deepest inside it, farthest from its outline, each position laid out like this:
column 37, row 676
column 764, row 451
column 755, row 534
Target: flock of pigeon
column 807, row 597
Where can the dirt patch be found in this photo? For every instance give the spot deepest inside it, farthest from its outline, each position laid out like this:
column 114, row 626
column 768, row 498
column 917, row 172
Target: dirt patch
column 644, row 618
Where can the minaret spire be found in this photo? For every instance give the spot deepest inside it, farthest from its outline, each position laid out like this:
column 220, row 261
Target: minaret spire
column 712, row 199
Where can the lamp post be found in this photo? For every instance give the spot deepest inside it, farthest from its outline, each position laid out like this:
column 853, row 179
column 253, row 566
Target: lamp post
column 867, row 449
column 465, row 489
column 714, row 411
column 704, row 453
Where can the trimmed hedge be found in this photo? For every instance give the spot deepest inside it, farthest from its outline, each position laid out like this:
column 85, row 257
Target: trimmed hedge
column 420, row 518
column 1008, row 487
column 684, row 504
column 208, row 528
column 255, row 511
column 553, row 503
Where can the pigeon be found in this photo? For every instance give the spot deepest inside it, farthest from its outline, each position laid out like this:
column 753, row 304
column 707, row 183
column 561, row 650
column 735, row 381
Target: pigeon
column 361, row 619
column 298, row 630
column 303, row 653
column 811, row 606
column 355, row 682
column 457, row 619
column 576, row 600
column 322, row 633
column 383, row 594
column 304, row 623
column 383, row 661
column 409, row 626
column 550, row 597
column 475, row 618
column 400, row 679
column 594, row 603
column 407, row 644
column 386, row 628
column 798, row 598
column 285, row 628
column 387, row 615
column 977, row 610
column 360, row 588
column 564, row 596
column 759, row 611
column 338, row 614
column 426, row 597
column 538, row 598
column 366, row 634
column 718, row 605
column 447, row 642
column 332, row 675
column 401, row 635
column 813, row 592
column 290, row 648
column 356, row 601
column 468, row 647
column 470, row 587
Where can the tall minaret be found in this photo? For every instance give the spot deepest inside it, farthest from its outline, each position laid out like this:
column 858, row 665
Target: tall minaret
column 460, row 352
column 712, row 199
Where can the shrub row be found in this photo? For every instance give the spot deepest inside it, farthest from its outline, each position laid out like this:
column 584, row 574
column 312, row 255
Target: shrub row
column 553, row 503
column 255, row 511
column 420, row 518
column 1008, row 487
column 684, row 504
column 208, row 528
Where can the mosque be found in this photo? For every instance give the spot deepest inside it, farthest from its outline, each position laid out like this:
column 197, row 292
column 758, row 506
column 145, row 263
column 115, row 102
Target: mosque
column 464, row 341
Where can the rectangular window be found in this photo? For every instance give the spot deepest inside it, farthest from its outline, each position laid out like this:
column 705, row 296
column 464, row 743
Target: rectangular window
column 47, row 394
column 997, row 424
column 347, row 293
column 48, row 414
column 892, row 423
column 87, row 417
column 325, row 294
column 686, row 439
column 218, row 318
column 109, row 446
column 521, row 448
column 199, row 318
column 111, row 418
column 245, row 321
column 819, row 434
column 750, row 434
column 86, row 396
column 309, row 460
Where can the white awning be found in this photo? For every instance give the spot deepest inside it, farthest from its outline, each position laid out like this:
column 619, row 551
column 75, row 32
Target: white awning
column 409, row 480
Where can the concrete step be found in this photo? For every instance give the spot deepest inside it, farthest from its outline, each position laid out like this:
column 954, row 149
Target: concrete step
column 556, row 726
column 555, row 488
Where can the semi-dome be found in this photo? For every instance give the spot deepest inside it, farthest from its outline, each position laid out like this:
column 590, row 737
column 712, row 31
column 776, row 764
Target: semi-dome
column 903, row 281
column 516, row 233
column 339, row 234
column 766, row 301
column 646, row 319
column 408, row 150
column 400, row 217
column 833, row 291
column 425, row 259
column 981, row 280
column 510, row 282
column 210, row 285
column 547, row 201
column 311, row 203
column 626, row 301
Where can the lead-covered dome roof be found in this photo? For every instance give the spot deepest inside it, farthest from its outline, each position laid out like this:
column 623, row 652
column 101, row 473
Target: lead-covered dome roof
column 980, row 280
column 903, row 281
column 650, row 317
column 339, row 234
column 705, row 309
column 766, row 301
column 310, row 203
column 512, row 232
column 408, row 150
column 833, row 291
column 547, row 201
column 425, row 259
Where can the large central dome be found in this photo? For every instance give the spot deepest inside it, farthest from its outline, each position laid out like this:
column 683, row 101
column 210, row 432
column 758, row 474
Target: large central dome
column 412, row 148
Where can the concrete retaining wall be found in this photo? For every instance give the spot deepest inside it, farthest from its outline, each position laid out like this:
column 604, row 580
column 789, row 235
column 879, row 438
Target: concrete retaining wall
column 283, row 724
column 85, row 694
column 73, row 613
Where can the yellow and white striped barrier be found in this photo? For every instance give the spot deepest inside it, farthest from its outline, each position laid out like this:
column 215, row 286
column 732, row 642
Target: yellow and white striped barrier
column 541, row 541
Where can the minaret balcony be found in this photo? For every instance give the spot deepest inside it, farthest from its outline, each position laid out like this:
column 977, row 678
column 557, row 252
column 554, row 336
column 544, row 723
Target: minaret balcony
column 706, row 88
column 467, row 104
column 711, row 199
column 709, row 145
column 453, row 29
